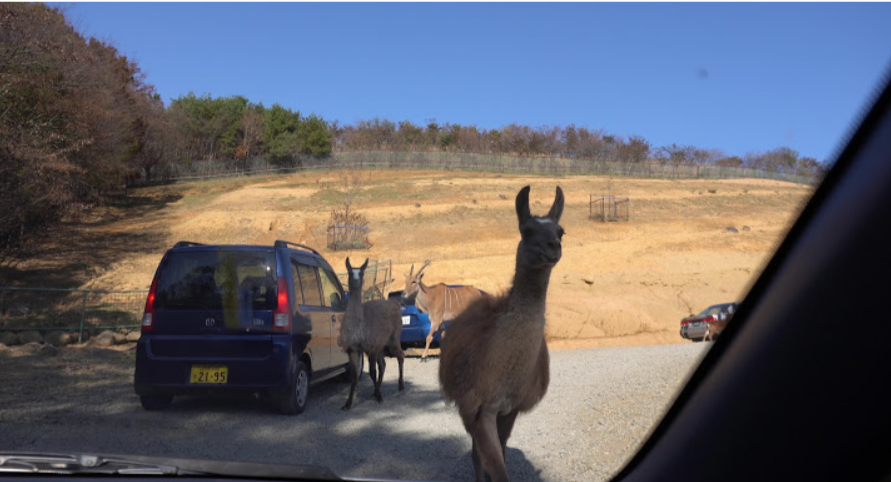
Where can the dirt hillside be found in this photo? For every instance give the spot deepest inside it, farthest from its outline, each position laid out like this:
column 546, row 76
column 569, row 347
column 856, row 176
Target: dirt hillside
column 619, row 283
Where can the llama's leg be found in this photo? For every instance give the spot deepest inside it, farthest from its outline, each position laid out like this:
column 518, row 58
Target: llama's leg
column 395, row 350
column 401, row 358
column 372, row 371
column 487, row 450
column 505, row 426
column 354, row 377
column 382, row 365
column 478, row 472
column 434, row 326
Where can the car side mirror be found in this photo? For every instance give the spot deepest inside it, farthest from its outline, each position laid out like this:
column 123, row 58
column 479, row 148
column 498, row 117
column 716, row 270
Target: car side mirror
column 335, row 301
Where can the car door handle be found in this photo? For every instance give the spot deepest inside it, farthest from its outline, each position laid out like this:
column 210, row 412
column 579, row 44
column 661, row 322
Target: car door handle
column 333, row 318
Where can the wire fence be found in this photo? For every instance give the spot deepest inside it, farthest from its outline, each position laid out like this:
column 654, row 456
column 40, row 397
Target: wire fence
column 447, row 161
column 70, row 310
column 377, row 280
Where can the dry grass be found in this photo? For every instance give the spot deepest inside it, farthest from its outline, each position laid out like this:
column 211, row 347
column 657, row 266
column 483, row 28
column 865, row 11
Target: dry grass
column 618, row 283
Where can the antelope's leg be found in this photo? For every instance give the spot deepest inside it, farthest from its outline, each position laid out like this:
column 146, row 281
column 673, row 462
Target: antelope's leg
column 484, row 432
column 434, row 325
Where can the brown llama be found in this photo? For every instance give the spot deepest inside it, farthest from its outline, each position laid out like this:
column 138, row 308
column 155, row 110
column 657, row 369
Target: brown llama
column 494, row 364
column 373, row 328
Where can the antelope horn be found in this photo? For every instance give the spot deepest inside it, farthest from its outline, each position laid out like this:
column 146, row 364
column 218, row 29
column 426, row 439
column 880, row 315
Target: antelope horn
column 412, row 270
column 426, row 263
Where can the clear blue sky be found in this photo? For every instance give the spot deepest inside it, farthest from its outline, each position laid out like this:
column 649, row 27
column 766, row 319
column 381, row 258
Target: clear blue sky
column 737, row 77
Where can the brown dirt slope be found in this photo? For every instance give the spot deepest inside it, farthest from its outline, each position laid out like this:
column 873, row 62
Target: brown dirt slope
column 618, row 283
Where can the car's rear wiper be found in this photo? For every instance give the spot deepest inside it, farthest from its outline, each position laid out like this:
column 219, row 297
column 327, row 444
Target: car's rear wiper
column 83, row 464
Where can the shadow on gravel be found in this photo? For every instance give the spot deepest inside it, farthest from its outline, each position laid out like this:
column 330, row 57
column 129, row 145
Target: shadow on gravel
column 82, row 400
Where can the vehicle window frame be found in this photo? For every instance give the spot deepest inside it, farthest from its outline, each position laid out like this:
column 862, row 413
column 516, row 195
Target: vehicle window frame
column 335, row 284
column 298, row 263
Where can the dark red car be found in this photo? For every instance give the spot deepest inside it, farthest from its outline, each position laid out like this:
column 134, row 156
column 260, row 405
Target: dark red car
column 694, row 327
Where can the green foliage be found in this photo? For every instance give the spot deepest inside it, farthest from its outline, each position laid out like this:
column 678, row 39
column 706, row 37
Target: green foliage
column 280, row 133
column 314, row 138
column 211, row 126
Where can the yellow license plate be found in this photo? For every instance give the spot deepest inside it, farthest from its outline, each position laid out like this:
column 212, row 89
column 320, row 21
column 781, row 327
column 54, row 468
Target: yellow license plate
column 216, row 374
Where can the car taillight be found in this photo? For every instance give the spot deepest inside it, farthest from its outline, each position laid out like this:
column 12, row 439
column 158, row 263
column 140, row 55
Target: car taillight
column 281, row 319
column 710, row 319
column 148, row 315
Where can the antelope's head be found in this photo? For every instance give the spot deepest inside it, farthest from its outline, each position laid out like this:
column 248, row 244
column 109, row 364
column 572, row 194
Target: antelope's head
column 413, row 281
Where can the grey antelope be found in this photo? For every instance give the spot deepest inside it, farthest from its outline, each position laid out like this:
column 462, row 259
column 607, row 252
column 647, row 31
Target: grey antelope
column 494, row 363
column 440, row 302
column 373, row 328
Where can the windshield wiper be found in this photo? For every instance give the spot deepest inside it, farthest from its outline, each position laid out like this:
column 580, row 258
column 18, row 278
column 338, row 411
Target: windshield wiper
column 83, row 464
column 78, row 464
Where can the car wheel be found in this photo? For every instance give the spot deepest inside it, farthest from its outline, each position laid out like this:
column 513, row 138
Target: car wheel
column 155, row 402
column 295, row 401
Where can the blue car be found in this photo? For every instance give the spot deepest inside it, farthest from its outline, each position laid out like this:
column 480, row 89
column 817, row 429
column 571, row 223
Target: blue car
column 415, row 324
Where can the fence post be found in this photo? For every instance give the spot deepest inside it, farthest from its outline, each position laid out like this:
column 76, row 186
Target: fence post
column 83, row 315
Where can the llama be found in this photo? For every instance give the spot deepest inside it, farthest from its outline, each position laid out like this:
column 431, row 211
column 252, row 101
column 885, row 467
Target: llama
column 373, row 328
column 494, row 364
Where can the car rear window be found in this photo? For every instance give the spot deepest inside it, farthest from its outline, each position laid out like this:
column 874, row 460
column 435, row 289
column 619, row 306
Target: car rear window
column 217, row 280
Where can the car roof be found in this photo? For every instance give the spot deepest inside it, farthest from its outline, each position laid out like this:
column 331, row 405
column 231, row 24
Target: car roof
column 191, row 246
column 781, row 395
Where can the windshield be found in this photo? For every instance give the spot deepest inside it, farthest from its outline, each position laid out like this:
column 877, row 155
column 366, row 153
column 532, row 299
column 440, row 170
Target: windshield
column 188, row 190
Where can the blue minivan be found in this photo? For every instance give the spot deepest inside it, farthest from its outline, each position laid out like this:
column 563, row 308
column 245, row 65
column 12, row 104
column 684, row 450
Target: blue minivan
column 239, row 318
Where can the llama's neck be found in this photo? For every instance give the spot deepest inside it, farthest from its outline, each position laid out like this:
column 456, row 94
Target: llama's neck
column 354, row 307
column 530, row 290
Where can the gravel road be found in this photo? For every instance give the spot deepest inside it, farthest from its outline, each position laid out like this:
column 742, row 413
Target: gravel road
column 601, row 404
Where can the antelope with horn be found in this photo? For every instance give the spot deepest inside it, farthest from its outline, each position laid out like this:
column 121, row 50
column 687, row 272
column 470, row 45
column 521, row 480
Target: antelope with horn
column 441, row 302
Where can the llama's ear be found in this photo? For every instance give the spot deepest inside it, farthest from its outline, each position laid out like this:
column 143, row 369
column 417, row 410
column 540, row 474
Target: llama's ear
column 523, row 213
column 349, row 267
column 364, row 264
column 557, row 209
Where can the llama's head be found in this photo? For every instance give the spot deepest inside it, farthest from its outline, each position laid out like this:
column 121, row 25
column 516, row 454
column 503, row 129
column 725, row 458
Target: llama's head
column 413, row 281
column 356, row 276
column 540, row 245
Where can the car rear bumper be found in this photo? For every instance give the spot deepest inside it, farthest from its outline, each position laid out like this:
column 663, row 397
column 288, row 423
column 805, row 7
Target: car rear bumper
column 694, row 331
column 172, row 375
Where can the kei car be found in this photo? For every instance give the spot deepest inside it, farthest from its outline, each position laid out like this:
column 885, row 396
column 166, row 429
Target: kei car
column 240, row 318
